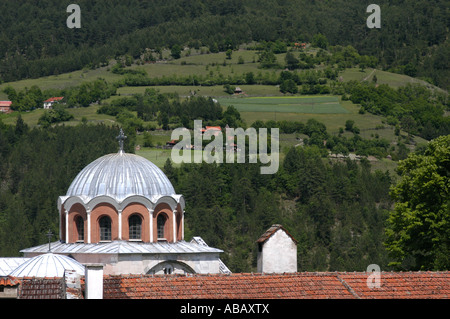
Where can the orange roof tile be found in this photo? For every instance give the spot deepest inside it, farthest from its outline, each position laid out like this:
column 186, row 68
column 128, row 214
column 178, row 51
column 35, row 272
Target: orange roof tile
column 326, row 285
column 42, row 288
column 307, row 285
column 5, row 103
column 234, row 286
column 417, row 285
column 272, row 231
column 54, row 99
column 9, row 281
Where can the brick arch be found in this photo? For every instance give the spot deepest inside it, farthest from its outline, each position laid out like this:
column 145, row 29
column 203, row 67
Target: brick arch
column 75, row 211
column 142, row 212
column 165, row 209
column 98, row 212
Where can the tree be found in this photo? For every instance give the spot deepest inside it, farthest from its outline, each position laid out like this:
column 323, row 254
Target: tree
column 320, row 41
column 349, row 125
column 267, row 59
column 418, row 231
column 289, row 86
column 292, row 62
column 175, row 52
column 229, row 53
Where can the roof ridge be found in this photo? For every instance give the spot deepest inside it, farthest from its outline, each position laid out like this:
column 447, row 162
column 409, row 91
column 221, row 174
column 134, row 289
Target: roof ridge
column 347, row 286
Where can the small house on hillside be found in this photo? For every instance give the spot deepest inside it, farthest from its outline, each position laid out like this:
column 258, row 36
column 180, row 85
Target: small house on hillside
column 214, row 130
column 5, row 106
column 238, row 90
column 48, row 104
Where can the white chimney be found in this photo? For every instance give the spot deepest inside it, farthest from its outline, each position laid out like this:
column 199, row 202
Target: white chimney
column 94, row 281
column 277, row 251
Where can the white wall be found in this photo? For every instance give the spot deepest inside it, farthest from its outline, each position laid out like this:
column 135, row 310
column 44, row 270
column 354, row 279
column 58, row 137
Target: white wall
column 94, row 281
column 278, row 255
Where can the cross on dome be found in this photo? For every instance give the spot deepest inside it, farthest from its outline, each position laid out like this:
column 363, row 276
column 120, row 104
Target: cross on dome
column 121, row 138
column 49, row 236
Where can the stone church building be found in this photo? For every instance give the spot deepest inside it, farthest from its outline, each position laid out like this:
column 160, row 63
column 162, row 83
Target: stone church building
column 122, row 211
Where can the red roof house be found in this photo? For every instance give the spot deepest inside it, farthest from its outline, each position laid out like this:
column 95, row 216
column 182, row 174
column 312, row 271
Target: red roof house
column 48, row 104
column 5, row 106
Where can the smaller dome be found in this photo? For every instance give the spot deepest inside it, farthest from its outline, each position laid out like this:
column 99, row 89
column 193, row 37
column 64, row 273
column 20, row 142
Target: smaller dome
column 47, row 265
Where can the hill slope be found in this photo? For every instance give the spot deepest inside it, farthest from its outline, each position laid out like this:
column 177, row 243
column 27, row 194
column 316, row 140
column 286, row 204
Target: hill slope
column 39, row 44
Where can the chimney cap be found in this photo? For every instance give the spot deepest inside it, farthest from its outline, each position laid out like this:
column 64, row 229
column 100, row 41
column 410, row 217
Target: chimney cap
column 272, row 230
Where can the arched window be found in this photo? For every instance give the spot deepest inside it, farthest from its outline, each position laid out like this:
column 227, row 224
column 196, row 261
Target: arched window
column 79, row 223
column 161, row 222
column 105, row 228
column 135, row 226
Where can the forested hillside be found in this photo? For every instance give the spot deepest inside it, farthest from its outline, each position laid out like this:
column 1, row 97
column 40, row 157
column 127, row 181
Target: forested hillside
column 35, row 41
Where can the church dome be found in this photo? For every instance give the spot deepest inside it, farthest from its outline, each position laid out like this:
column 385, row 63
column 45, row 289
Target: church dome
column 119, row 176
column 47, row 265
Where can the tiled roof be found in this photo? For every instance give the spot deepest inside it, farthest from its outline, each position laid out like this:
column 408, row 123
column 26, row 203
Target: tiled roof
column 327, row 285
column 308, row 285
column 272, row 230
column 234, row 286
column 42, row 288
column 5, row 103
column 405, row 285
column 9, row 281
column 54, row 99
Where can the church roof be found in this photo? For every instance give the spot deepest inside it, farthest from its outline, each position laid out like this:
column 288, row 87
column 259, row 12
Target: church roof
column 124, row 247
column 120, row 175
column 47, row 265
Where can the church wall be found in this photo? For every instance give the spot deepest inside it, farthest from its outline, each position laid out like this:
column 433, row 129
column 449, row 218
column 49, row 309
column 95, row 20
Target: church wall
column 153, row 263
column 181, row 263
column 171, row 232
column 179, row 221
column 62, row 225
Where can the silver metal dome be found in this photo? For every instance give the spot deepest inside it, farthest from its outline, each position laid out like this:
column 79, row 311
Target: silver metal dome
column 47, row 265
column 119, row 176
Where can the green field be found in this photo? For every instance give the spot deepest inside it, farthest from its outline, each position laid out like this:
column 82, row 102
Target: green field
column 291, row 104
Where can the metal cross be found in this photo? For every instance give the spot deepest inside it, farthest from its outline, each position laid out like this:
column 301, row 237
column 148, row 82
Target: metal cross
column 49, row 236
column 121, row 138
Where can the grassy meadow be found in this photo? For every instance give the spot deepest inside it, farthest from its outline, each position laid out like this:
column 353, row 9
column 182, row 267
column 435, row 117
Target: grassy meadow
column 288, row 104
